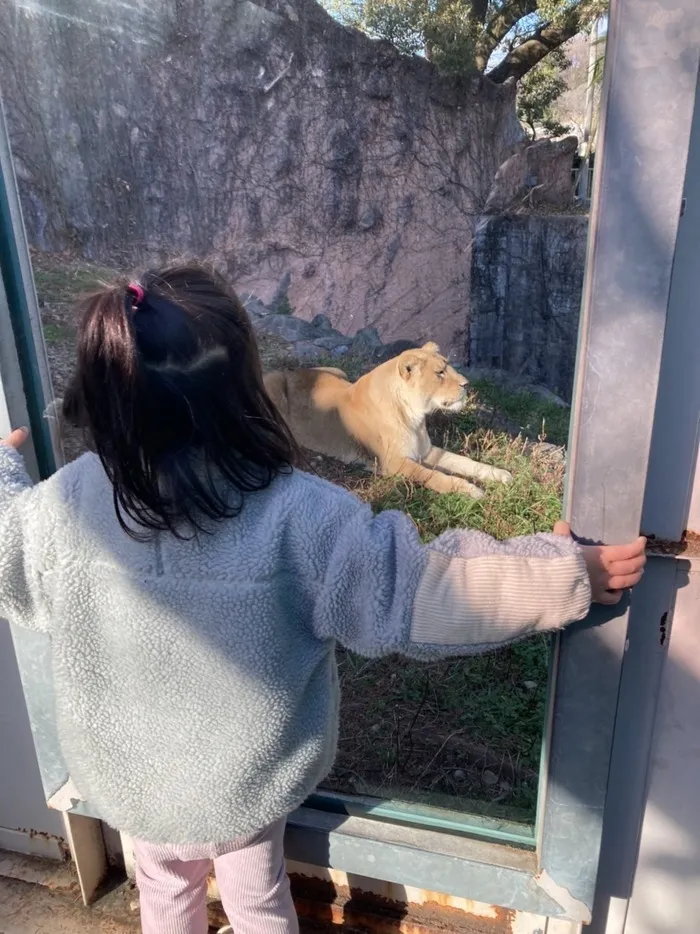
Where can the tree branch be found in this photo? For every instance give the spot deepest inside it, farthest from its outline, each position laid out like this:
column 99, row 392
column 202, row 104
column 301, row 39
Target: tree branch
column 545, row 40
column 477, row 11
column 498, row 28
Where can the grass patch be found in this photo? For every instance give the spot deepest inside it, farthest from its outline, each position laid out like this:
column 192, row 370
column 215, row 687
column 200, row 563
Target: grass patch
column 531, row 503
column 61, row 279
column 56, row 333
column 463, row 734
column 534, row 416
column 284, row 307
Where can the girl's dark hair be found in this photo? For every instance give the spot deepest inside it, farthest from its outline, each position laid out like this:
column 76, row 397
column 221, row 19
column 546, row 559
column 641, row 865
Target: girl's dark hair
column 169, row 392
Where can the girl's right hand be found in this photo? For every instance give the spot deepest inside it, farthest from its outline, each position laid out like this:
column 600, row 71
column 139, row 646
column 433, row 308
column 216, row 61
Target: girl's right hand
column 611, row 568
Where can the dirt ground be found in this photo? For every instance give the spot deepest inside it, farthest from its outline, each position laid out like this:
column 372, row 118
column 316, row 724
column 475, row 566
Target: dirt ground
column 35, row 909
column 27, row 908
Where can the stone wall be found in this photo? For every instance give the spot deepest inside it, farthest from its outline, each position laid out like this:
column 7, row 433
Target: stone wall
column 527, row 278
column 313, row 163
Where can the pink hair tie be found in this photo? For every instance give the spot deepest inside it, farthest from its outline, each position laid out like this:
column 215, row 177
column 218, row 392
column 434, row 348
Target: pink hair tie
column 137, row 291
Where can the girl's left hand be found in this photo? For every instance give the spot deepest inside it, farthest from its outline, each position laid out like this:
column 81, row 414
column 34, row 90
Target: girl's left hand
column 16, row 438
column 611, row 568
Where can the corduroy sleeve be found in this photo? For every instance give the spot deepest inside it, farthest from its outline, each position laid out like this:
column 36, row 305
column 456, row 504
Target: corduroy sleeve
column 384, row 592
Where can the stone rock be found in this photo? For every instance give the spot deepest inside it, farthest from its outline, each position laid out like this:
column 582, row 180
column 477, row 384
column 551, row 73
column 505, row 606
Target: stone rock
column 488, row 777
column 322, row 322
column 254, row 307
column 548, row 395
column 370, row 219
column 340, row 351
column 316, row 122
column 377, row 86
column 538, row 173
column 555, row 450
column 526, row 284
column 307, row 352
column 394, row 349
column 367, row 342
column 331, row 341
column 552, row 451
column 286, row 326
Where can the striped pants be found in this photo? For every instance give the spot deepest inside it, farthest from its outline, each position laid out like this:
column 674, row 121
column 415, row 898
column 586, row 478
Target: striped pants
column 250, row 873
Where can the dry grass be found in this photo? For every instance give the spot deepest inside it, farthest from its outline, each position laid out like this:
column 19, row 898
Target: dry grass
column 462, row 734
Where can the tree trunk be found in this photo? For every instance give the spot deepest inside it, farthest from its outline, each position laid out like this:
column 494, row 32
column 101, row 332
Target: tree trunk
column 585, row 151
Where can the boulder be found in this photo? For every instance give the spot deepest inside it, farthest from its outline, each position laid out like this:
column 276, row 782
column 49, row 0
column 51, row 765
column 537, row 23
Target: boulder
column 367, row 342
column 287, row 327
column 307, row 352
column 331, row 341
column 394, row 349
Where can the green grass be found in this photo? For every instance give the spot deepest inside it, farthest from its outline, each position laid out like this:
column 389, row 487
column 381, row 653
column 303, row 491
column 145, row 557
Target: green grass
column 531, row 503
column 431, row 733
column 285, row 307
column 57, row 333
column 534, row 416
column 62, row 279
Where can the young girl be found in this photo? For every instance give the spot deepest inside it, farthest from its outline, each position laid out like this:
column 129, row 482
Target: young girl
column 194, row 584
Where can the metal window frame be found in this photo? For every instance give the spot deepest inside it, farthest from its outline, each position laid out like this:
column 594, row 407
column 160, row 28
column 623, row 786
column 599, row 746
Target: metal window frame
column 651, row 66
column 25, row 388
column 672, row 584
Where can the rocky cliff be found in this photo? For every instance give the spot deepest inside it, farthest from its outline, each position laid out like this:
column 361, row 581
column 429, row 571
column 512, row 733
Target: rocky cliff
column 321, row 168
column 527, row 280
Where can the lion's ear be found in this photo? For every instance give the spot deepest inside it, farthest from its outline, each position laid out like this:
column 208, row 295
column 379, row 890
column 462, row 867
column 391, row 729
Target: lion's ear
column 431, row 347
column 408, row 362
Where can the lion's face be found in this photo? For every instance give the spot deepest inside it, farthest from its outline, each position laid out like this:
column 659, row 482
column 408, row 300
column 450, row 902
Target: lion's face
column 430, row 380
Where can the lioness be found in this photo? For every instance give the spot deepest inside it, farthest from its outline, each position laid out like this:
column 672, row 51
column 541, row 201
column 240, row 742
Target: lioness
column 381, row 418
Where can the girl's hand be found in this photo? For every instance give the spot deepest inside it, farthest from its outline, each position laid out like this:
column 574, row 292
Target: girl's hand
column 16, row 438
column 611, row 568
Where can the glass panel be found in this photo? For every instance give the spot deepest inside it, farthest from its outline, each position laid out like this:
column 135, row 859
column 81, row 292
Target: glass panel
column 363, row 199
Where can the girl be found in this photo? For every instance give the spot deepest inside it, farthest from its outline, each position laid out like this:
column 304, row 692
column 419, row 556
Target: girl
column 194, row 584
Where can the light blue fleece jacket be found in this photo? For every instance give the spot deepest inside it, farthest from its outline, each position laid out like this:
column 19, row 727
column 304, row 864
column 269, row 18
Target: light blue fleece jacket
column 196, row 684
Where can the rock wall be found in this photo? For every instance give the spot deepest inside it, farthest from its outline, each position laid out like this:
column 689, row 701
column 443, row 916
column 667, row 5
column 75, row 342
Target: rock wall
column 321, row 168
column 537, row 174
column 527, row 278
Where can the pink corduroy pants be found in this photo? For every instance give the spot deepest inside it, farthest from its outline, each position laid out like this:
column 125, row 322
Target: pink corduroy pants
column 250, row 873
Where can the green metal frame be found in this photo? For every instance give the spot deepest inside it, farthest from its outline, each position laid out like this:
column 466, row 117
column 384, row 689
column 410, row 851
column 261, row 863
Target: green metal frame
column 433, row 818
column 21, row 300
